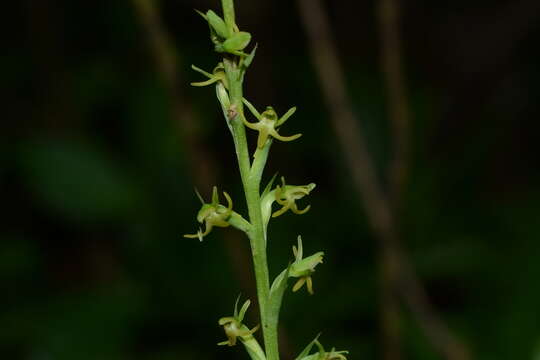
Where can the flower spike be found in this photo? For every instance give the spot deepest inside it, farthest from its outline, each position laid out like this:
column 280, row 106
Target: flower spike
column 302, row 268
column 237, row 53
column 286, row 196
column 268, row 124
column 213, row 214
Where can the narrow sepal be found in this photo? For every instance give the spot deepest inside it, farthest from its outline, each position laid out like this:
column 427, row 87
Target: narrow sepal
column 287, row 115
column 243, row 310
column 201, row 71
column 251, row 108
column 308, row 348
column 215, row 196
column 235, row 313
column 202, row 14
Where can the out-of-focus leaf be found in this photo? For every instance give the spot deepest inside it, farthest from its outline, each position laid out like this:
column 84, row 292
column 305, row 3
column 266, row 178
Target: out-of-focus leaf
column 91, row 325
column 18, row 257
column 77, row 180
column 536, row 352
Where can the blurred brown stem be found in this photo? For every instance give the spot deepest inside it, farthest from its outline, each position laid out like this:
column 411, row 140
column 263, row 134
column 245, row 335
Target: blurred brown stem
column 391, row 65
column 397, row 272
column 202, row 164
column 391, row 60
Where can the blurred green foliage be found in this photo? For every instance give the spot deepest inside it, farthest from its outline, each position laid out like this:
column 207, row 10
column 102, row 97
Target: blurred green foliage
column 97, row 192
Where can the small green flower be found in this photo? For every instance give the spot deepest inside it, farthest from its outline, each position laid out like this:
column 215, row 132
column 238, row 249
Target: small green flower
column 322, row 354
column 234, row 327
column 213, row 214
column 332, row 355
column 303, row 268
column 268, row 124
column 286, row 196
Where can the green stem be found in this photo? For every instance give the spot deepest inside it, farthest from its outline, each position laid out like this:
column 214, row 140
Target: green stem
column 251, row 178
column 228, row 13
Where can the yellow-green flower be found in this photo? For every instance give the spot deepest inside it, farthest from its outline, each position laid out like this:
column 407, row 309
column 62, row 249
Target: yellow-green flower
column 286, row 196
column 321, row 354
column 213, row 214
column 233, row 325
column 303, row 268
column 268, row 124
column 331, row 355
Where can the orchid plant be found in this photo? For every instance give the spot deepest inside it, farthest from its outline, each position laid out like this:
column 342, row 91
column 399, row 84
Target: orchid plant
column 227, row 78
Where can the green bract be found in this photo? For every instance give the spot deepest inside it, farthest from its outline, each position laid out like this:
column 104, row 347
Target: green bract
column 228, row 77
column 218, row 25
column 234, row 44
column 227, row 38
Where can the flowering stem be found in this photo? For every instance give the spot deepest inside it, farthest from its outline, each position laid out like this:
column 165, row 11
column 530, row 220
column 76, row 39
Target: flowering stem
column 251, row 177
column 228, row 76
column 228, row 13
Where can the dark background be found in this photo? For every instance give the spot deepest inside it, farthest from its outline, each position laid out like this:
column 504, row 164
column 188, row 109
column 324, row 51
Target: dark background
column 97, row 192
